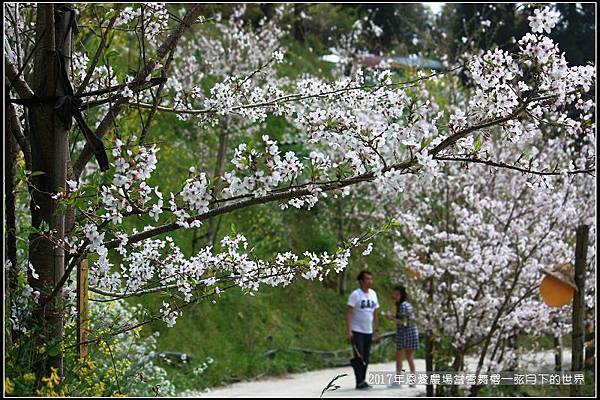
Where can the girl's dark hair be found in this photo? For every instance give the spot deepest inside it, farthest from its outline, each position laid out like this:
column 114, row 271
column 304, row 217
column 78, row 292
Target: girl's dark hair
column 403, row 295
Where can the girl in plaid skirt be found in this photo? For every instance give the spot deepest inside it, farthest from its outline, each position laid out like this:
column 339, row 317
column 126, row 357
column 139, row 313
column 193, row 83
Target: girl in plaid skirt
column 407, row 334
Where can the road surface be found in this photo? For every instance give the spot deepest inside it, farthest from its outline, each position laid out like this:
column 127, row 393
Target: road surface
column 310, row 384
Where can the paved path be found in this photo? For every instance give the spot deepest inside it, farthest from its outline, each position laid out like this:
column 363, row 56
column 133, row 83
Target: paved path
column 310, row 384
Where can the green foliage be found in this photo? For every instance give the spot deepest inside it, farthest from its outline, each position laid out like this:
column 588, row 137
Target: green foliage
column 117, row 365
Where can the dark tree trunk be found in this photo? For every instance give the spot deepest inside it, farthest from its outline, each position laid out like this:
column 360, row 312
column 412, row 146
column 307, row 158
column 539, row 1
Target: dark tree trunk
column 268, row 10
column 456, row 367
column 49, row 149
column 590, row 345
column 429, row 341
column 297, row 24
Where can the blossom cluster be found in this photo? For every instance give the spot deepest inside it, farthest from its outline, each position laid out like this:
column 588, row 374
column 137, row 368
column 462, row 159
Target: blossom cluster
column 264, row 170
column 231, row 53
column 152, row 17
column 543, row 20
column 157, row 260
column 129, row 190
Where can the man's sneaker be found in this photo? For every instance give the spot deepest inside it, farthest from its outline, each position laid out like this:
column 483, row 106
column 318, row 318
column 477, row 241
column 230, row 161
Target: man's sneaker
column 394, row 384
column 364, row 386
column 412, row 385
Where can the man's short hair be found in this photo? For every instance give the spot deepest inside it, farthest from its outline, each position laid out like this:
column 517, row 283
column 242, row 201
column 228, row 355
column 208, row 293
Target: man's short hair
column 362, row 274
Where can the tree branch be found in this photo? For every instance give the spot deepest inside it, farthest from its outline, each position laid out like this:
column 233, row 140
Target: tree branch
column 14, row 128
column 508, row 166
column 99, row 51
column 106, row 123
column 19, row 84
column 288, row 98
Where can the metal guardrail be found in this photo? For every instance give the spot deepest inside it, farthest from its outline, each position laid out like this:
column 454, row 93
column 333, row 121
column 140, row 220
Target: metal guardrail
column 337, row 358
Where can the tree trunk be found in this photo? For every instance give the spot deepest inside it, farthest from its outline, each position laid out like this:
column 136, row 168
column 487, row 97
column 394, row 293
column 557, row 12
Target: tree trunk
column 579, row 304
column 49, row 148
column 456, row 367
column 429, row 359
column 210, row 237
column 268, row 10
column 513, row 342
column 297, row 24
column 590, row 345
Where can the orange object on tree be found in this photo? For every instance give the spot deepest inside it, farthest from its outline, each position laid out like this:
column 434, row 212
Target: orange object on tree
column 558, row 286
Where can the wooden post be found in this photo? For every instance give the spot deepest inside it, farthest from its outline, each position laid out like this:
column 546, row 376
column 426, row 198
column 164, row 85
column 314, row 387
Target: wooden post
column 579, row 305
column 83, row 322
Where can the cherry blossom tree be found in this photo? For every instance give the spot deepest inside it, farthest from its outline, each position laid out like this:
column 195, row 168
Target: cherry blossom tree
column 388, row 132
column 479, row 243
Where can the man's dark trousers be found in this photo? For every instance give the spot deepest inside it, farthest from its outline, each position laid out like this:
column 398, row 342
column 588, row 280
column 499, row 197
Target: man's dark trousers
column 361, row 347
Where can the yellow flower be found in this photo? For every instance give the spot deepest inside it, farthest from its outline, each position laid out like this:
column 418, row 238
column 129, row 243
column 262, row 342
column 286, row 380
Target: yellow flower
column 53, row 379
column 29, row 377
column 99, row 388
column 9, row 386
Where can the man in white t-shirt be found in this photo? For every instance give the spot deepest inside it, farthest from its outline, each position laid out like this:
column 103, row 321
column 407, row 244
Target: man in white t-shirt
column 360, row 317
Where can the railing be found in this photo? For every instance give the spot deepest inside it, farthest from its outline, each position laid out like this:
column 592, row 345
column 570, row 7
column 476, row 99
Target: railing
column 336, row 358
